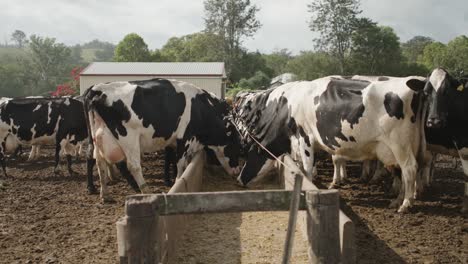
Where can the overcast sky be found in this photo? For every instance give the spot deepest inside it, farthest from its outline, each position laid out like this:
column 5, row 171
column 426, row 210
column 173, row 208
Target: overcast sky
column 285, row 22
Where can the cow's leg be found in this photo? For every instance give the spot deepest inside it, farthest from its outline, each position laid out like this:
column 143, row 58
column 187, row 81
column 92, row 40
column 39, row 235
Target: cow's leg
column 365, row 170
column 396, row 184
column 3, row 162
column 69, row 165
column 379, row 173
column 102, row 170
column 336, row 172
column 424, row 174
column 409, row 168
column 32, row 154
column 57, row 157
column 169, row 159
column 133, row 158
column 18, row 151
column 307, row 155
column 122, row 166
column 90, row 162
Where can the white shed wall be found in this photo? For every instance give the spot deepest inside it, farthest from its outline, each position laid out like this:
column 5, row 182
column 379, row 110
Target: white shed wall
column 210, row 84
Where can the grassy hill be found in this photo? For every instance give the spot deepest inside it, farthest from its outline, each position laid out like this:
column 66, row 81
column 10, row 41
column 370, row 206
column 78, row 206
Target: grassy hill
column 87, row 54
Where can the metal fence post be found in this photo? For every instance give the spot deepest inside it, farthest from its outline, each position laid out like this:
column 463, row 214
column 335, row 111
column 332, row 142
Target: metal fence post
column 323, row 226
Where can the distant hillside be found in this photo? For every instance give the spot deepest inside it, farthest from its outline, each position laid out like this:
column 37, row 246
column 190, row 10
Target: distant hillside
column 88, row 54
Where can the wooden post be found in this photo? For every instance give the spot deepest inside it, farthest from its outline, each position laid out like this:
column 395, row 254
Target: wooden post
column 122, row 247
column 347, row 240
column 323, row 226
column 138, row 231
column 294, row 208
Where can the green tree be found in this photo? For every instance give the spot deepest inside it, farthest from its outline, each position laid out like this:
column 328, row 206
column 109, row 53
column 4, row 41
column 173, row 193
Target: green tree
column 19, row 37
column 310, row 65
column 48, row 64
column 248, row 64
column 434, row 55
column 258, row 81
column 375, row 49
column 132, row 49
column 233, row 21
column 456, row 55
column 334, row 20
column 194, row 47
column 277, row 61
column 413, row 49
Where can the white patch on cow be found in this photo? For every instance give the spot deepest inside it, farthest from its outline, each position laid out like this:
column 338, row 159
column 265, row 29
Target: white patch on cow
column 437, row 77
column 49, row 111
column 67, row 101
column 37, row 107
column 4, row 99
column 11, row 143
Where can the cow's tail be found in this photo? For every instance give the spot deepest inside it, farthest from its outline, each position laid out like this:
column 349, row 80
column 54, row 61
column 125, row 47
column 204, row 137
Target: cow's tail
column 90, row 161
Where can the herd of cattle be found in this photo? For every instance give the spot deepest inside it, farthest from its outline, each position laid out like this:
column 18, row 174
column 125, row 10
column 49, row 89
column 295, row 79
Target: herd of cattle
column 398, row 121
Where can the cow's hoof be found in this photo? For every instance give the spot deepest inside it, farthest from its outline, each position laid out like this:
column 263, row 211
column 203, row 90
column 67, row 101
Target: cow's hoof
column 92, row 190
column 107, row 200
column 404, row 208
column 168, row 183
column 464, row 209
column 144, row 188
column 334, row 186
column 394, row 204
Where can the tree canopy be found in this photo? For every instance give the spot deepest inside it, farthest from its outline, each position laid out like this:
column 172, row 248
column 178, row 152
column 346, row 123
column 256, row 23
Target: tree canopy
column 132, row 49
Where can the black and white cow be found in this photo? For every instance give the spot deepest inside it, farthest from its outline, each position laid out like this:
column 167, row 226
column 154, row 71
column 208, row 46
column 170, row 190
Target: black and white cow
column 353, row 120
column 446, row 131
column 447, row 125
column 128, row 118
column 42, row 121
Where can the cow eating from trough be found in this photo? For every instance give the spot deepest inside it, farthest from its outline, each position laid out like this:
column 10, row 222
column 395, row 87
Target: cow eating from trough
column 42, row 121
column 128, row 118
column 353, row 120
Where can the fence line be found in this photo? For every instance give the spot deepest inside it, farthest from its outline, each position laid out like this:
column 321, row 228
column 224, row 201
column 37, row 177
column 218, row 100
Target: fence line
column 346, row 226
column 153, row 223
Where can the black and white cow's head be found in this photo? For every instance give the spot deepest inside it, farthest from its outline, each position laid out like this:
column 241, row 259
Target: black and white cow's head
column 269, row 122
column 441, row 89
column 211, row 119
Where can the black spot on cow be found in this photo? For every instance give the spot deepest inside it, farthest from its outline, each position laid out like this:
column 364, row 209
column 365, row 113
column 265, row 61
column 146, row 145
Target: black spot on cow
column 157, row 103
column 394, row 105
column 415, row 103
column 382, row 78
column 351, row 138
column 342, row 100
column 307, row 153
column 316, row 100
column 113, row 115
column 303, row 134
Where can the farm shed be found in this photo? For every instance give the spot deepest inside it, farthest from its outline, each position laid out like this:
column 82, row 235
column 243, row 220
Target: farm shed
column 210, row 76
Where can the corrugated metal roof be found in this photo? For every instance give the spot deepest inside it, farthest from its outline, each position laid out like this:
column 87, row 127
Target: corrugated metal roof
column 156, row 68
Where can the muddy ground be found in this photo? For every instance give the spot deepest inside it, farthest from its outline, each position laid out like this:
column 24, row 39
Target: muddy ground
column 47, row 218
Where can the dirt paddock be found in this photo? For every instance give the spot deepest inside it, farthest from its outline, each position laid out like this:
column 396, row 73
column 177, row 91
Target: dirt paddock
column 47, row 218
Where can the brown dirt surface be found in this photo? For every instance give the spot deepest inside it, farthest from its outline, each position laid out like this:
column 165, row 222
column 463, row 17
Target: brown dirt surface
column 232, row 238
column 47, row 218
column 433, row 232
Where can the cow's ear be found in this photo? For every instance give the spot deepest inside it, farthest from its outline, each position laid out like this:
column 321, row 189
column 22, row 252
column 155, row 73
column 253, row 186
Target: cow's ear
column 416, row 85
